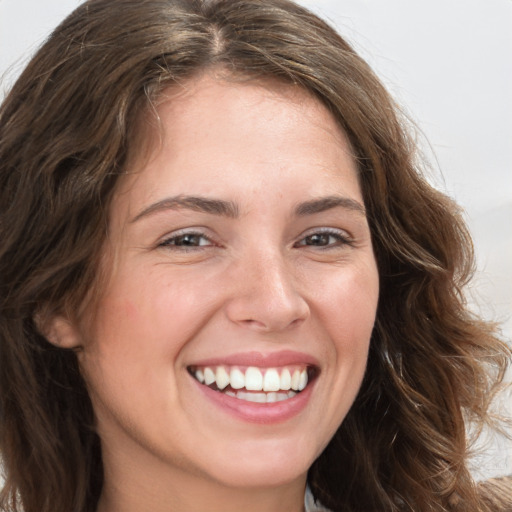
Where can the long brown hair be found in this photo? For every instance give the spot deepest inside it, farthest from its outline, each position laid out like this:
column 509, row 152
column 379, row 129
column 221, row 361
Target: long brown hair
column 66, row 134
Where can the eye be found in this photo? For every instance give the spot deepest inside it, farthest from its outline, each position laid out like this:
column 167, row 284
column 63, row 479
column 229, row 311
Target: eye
column 325, row 239
column 187, row 240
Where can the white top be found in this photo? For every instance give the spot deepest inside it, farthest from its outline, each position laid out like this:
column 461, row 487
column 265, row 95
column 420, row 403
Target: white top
column 310, row 505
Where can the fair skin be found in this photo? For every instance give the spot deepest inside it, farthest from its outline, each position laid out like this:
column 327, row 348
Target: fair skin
column 242, row 242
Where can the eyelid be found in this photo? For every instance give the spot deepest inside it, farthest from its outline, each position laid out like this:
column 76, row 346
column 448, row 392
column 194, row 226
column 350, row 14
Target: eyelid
column 343, row 236
column 325, row 229
column 193, row 231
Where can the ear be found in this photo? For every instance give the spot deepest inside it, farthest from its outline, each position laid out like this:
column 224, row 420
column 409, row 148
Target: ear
column 59, row 331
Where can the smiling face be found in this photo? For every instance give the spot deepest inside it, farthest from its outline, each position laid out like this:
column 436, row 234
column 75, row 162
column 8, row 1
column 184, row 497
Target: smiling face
column 232, row 336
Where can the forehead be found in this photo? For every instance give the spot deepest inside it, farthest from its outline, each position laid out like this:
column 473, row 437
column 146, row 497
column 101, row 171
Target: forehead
column 265, row 104
column 217, row 97
column 210, row 129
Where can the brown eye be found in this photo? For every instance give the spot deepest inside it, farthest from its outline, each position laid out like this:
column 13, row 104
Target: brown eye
column 187, row 240
column 319, row 239
column 324, row 239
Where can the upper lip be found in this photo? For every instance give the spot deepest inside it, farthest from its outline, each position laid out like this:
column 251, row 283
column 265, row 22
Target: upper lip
column 260, row 359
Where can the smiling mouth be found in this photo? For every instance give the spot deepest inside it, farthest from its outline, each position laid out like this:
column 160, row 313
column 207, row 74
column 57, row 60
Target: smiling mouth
column 254, row 384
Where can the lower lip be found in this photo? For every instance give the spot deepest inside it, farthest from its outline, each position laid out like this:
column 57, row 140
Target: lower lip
column 253, row 412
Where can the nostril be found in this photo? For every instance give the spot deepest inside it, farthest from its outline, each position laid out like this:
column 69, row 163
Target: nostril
column 270, row 324
column 256, row 325
column 296, row 322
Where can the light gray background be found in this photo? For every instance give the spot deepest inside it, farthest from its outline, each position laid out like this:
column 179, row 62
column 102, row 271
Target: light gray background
column 449, row 65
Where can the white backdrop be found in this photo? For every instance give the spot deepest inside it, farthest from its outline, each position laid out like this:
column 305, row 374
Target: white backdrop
column 449, row 64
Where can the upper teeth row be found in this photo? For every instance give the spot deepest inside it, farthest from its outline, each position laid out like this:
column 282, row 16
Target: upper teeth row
column 253, row 379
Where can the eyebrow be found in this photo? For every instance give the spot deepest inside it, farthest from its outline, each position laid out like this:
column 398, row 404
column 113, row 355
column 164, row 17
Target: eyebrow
column 231, row 210
column 198, row 204
column 327, row 203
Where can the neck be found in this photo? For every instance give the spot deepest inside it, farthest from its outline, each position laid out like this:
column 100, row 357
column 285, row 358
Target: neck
column 200, row 498
column 167, row 490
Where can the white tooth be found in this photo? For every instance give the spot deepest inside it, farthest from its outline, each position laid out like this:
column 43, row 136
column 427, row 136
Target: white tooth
column 281, row 396
column 252, row 397
column 253, row 379
column 199, row 376
column 303, row 381
column 209, row 376
column 295, row 380
column 241, row 395
column 285, row 380
column 230, row 393
column 237, row 379
column 271, row 381
column 291, row 394
column 271, row 397
column 260, row 398
column 222, row 377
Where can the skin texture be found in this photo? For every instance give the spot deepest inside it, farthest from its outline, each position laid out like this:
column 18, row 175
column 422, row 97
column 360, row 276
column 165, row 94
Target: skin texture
column 251, row 284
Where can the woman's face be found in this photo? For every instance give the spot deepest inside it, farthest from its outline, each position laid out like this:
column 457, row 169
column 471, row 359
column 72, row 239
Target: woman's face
column 240, row 257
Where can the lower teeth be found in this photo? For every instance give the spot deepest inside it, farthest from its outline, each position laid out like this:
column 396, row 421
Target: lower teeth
column 262, row 398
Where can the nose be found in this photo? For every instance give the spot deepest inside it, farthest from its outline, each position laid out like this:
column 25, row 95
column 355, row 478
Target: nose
column 265, row 295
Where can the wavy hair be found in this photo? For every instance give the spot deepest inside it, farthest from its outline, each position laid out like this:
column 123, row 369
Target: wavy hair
column 66, row 135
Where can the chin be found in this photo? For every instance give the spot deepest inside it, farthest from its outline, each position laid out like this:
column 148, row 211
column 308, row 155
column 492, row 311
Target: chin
column 254, row 465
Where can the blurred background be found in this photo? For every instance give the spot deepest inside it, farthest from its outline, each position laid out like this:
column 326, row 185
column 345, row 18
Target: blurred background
column 448, row 64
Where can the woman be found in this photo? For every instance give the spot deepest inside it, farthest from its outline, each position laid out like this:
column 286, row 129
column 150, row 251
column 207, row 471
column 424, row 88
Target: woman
column 224, row 278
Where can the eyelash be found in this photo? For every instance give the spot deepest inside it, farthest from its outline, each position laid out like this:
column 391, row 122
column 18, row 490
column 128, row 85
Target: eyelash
column 339, row 236
column 171, row 241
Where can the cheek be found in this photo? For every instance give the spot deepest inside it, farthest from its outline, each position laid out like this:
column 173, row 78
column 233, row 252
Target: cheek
column 345, row 316
column 134, row 346
column 148, row 317
column 348, row 307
